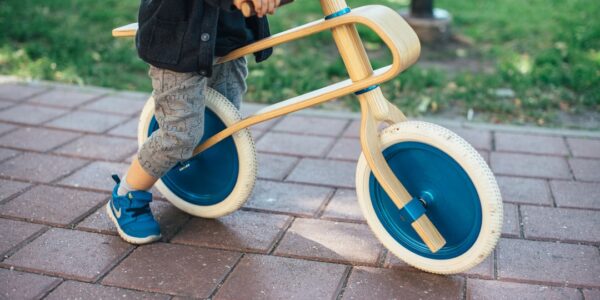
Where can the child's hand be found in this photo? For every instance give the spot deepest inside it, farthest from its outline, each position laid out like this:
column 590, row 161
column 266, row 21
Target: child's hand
column 261, row 7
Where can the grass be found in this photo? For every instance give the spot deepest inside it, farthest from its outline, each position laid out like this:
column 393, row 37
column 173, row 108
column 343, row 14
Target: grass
column 529, row 61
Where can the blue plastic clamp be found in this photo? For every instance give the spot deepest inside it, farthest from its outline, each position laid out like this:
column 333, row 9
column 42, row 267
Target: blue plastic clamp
column 338, row 13
column 412, row 210
column 366, row 90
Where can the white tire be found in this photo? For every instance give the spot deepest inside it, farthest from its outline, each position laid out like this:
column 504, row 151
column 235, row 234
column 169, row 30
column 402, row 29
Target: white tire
column 479, row 174
column 246, row 152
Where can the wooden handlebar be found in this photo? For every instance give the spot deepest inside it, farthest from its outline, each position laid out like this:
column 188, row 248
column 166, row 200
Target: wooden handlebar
column 248, row 7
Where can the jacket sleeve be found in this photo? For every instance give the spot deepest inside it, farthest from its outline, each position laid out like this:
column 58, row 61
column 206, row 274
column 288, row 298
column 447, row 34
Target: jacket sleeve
column 222, row 4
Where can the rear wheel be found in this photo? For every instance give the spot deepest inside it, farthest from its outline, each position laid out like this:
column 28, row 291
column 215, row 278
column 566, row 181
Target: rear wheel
column 217, row 181
column 455, row 184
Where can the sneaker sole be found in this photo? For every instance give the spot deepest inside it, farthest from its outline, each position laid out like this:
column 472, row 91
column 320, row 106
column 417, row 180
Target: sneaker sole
column 125, row 236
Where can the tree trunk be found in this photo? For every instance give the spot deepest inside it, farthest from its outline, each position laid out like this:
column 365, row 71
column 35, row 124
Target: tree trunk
column 421, row 8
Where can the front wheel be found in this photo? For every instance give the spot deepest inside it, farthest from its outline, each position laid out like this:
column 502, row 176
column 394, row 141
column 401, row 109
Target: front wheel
column 455, row 184
column 217, row 181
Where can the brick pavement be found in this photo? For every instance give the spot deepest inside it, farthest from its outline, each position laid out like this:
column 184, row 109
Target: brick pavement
column 300, row 236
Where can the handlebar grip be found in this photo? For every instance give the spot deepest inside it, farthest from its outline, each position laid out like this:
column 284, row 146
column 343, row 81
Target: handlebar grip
column 248, row 7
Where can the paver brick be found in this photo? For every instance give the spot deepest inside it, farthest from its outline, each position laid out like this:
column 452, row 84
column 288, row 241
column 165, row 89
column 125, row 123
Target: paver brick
column 64, row 97
column 527, row 143
column 330, row 241
column 344, row 206
column 585, row 169
column 266, row 125
column 589, row 148
column 524, row 190
column 173, row 269
column 4, row 128
column 289, row 198
column 488, row 289
column 5, row 104
column 131, row 95
column 256, row 134
column 478, row 138
column 324, row 172
column 87, row 121
column 562, row 224
column 87, row 254
column 130, row 158
column 272, row 277
column 81, row 290
column 276, row 167
column 9, row 188
column 485, row 155
column 241, row 231
column 249, row 108
column 510, row 226
column 591, row 294
column 485, row 269
column 116, row 104
column 95, row 176
column 127, row 129
column 311, row 125
column 70, row 254
column 39, row 167
column 18, row 91
column 371, row 283
column 168, row 216
column 346, row 148
column 353, row 130
column 576, row 194
column 100, row 147
column 13, row 233
column 530, row 165
column 548, row 263
column 37, row 139
column 30, row 114
column 20, row 285
column 293, row 144
column 52, row 205
column 7, row 153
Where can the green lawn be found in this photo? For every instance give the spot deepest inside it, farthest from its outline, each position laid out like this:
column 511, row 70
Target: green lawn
column 546, row 51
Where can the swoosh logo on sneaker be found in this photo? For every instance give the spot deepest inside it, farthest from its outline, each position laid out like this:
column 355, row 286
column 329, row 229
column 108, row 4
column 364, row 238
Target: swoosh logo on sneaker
column 117, row 212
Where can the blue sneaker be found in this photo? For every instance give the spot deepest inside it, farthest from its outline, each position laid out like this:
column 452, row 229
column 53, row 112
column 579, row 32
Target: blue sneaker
column 132, row 215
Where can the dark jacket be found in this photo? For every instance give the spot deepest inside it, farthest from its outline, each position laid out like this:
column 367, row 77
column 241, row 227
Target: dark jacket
column 180, row 35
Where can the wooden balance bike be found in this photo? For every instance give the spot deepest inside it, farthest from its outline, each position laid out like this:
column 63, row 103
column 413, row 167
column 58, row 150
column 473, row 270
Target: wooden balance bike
column 425, row 192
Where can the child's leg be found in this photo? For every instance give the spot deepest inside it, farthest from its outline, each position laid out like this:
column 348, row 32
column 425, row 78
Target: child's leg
column 179, row 111
column 137, row 179
column 229, row 79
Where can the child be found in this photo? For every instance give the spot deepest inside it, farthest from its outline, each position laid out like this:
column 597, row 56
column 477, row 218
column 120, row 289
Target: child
column 180, row 39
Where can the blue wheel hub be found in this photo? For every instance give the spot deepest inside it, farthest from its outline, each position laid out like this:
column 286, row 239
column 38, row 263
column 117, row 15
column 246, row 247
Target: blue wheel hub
column 209, row 177
column 442, row 186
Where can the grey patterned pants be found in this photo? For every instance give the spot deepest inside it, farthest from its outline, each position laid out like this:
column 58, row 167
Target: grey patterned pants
column 179, row 110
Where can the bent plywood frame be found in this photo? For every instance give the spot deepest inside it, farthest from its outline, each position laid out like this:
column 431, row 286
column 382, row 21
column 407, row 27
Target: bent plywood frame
column 388, row 24
column 405, row 49
column 371, row 147
column 393, row 30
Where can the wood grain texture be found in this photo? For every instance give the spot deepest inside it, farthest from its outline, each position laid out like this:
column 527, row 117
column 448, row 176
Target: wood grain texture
column 377, row 107
column 371, row 147
column 332, row 6
column 405, row 49
column 393, row 30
